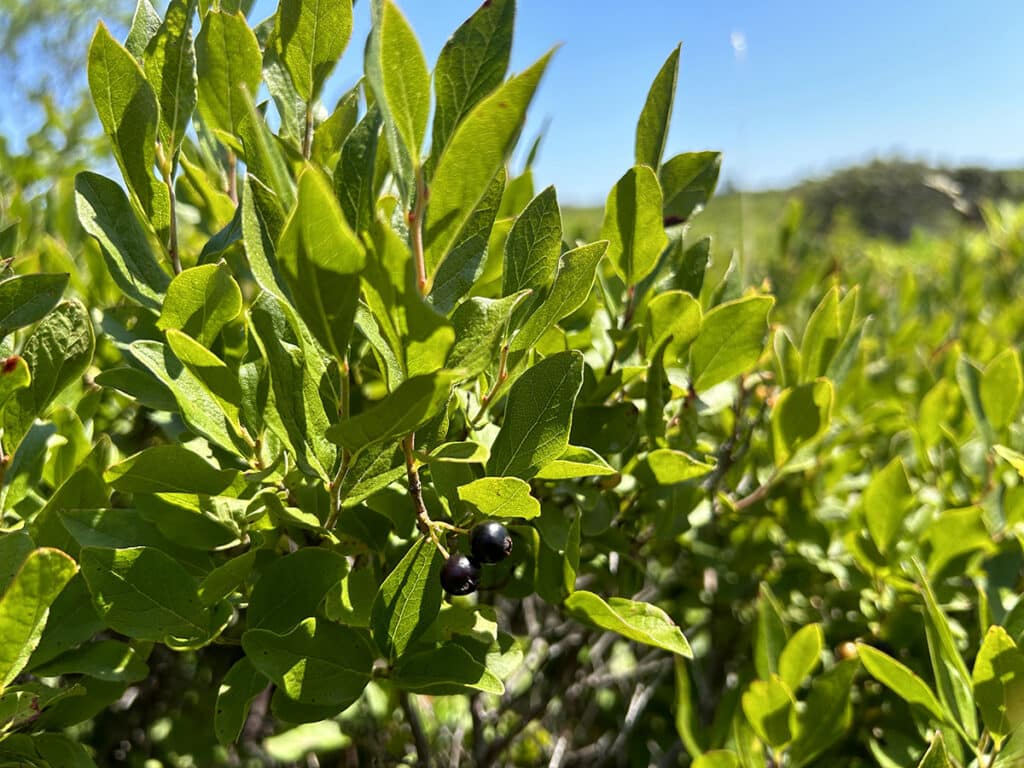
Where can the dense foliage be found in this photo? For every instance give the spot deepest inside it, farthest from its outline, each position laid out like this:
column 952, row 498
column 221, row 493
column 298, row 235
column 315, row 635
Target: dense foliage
column 263, row 393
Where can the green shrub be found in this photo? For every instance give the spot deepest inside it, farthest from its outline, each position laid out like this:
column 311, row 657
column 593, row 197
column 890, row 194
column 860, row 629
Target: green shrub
column 292, row 372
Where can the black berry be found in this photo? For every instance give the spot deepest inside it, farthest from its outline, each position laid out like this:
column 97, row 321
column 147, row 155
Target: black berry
column 460, row 574
column 490, row 542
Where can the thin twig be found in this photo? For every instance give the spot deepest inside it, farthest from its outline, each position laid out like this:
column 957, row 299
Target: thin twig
column 346, row 454
column 416, row 230
column 172, row 229
column 419, row 737
column 423, row 521
column 757, row 494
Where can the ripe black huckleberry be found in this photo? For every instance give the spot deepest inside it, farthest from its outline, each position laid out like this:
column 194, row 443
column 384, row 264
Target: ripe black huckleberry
column 460, row 574
column 490, row 542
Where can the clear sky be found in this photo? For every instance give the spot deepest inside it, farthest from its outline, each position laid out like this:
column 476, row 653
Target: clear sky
column 821, row 84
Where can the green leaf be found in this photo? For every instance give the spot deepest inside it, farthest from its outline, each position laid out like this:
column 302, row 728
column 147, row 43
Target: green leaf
column 717, row 758
column 104, row 660
column 225, row 579
column 331, row 134
column 652, row 127
column 472, row 64
column 827, row 715
column 57, row 353
column 768, row 705
column 533, row 246
column 319, row 257
column 413, row 404
column 129, row 112
column 145, row 594
column 292, row 587
column 688, row 181
column 464, row 263
column 656, row 388
column 998, row 680
column 145, row 24
column 201, row 301
column 691, row 263
column 898, row 678
column 26, row 299
column 14, row 548
column 318, row 662
column 730, row 341
column 240, row 686
column 573, row 281
column 1012, row 753
column 213, row 373
column 801, row 415
column 952, row 679
column 464, row 452
column 1011, row 457
column 25, row 605
column 822, row 337
column 398, row 74
column 633, row 224
column 634, row 620
column 415, row 331
column 169, row 469
column 370, row 471
column 955, row 532
column 106, row 214
column 936, row 756
column 501, row 497
column 21, row 705
column 319, row 737
column 480, row 326
column 312, row 37
column 229, row 63
column 170, row 65
column 409, row 599
column 801, row 655
column 687, row 718
column 670, row 466
column 298, row 407
column 444, row 671
column 676, row 314
column 1002, row 387
column 263, row 219
column 354, row 174
column 474, row 155
column 538, row 417
column 969, row 378
column 771, row 635
column 886, row 500
column 576, row 461
column 198, row 408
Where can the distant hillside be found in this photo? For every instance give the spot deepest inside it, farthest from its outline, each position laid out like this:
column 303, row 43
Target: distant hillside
column 887, row 199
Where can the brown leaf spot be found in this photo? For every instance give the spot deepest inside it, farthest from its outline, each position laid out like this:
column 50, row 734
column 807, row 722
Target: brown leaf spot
column 11, row 363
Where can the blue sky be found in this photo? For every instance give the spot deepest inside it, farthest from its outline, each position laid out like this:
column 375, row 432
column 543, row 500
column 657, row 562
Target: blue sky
column 821, row 85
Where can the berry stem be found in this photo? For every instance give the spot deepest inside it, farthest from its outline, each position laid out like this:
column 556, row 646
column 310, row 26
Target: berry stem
column 423, row 521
